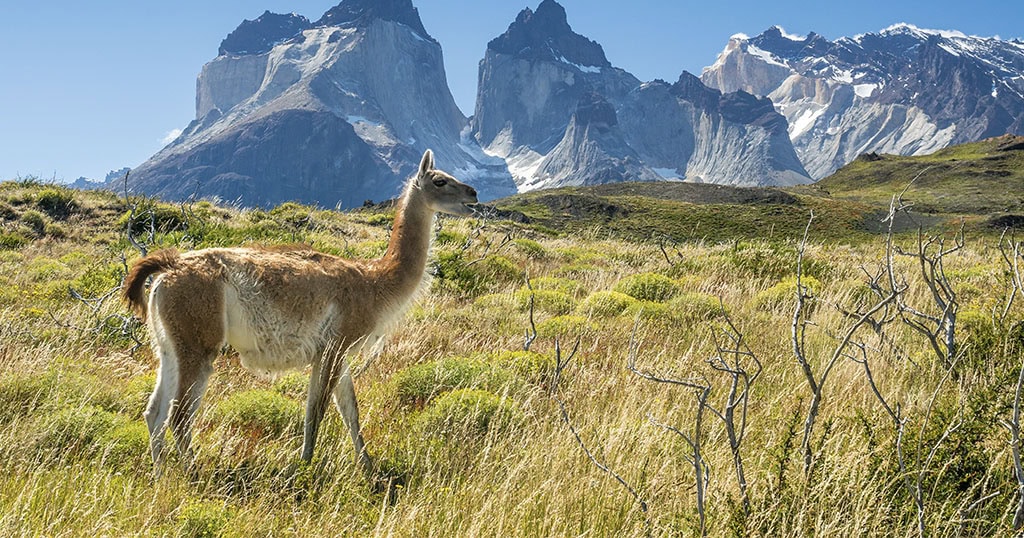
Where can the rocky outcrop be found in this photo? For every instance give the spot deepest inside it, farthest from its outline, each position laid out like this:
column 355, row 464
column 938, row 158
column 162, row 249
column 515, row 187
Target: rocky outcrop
column 903, row 90
column 260, row 35
column 335, row 115
column 551, row 105
column 559, row 113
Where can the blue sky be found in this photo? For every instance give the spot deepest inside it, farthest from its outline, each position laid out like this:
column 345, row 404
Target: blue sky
column 89, row 87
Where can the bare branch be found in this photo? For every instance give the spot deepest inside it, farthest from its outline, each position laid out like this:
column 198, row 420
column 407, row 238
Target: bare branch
column 560, row 365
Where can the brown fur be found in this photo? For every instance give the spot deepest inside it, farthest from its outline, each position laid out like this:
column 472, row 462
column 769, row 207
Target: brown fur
column 281, row 308
column 135, row 283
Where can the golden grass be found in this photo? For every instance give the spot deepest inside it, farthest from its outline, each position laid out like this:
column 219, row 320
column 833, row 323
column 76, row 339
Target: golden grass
column 532, row 479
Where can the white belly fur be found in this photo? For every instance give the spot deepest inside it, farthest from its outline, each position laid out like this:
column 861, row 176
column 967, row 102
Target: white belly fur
column 269, row 342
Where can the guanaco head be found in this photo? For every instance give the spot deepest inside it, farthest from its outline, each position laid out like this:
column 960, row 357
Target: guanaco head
column 443, row 192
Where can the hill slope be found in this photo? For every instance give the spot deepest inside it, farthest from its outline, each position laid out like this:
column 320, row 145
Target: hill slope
column 982, row 181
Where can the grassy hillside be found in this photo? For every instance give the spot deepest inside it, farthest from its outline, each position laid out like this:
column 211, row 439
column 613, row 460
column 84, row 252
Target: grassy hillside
column 982, row 182
column 980, row 178
column 466, row 418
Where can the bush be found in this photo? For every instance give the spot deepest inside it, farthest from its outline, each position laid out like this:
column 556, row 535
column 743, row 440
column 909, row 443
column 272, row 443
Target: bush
column 74, row 431
column 34, row 220
column 125, row 445
column 694, row 306
column 530, row 248
column 564, row 285
column 605, row 304
column 648, row 287
column 56, row 202
column 979, row 334
column 418, row 384
column 531, row 365
column 551, row 301
column 163, row 217
column 565, row 327
column 473, row 277
column 12, row 241
column 783, row 294
column 203, row 519
column 468, row 411
column 294, row 385
column 264, row 412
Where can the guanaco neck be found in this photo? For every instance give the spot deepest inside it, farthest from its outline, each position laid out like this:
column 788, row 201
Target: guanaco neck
column 402, row 266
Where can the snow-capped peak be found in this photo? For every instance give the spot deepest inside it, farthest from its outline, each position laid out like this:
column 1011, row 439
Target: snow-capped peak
column 907, row 28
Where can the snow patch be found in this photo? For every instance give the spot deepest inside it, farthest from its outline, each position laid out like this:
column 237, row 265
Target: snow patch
column 864, row 90
column 739, row 37
column 845, row 76
column 768, row 57
column 584, row 68
column 805, row 121
column 903, row 27
column 789, row 36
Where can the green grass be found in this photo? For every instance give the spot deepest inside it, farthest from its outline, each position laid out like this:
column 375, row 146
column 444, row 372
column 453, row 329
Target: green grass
column 464, row 416
column 977, row 178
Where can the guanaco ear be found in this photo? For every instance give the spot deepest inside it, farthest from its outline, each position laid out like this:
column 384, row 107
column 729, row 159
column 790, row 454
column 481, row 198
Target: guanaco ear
column 427, row 164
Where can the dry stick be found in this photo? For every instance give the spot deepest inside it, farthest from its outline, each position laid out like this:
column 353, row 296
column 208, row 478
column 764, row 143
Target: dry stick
column 560, row 365
column 1013, row 267
column 700, row 467
column 737, row 396
column 942, row 337
column 132, row 207
column 1015, row 448
column 798, row 335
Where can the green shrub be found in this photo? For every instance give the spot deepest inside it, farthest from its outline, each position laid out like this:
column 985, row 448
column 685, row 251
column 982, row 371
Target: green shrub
column 500, row 301
column 263, row 412
column 12, row 240
column 294, row 385
column 468, row 412
column 694, row 306
column 602, row 304
column 34, row 220
column 530, row 248
column 58, row 202
column 74, row 431
column 565, row 327
column 21, row 395
column 771, row 260
column 564, row 285
column 472, row 277
column 450, row 238
column 648, row 287
column 531, row 365
column 550, row 301
column 125, row 445
column 418, row 384
column 163, row 218
column 382, row 220
column 979, row 334
column 651, row 311
column 783, row 294
column 203, row 519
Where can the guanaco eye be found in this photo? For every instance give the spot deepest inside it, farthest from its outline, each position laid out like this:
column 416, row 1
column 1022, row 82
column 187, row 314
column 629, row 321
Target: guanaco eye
column 440, row 182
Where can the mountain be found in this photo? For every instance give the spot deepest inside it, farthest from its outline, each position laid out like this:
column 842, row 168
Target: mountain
column 903, row 90
column 551, row 104
column 333, row 112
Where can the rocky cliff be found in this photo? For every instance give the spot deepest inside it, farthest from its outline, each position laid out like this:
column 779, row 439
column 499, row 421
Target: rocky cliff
column 331, row 113
column 903, row 90
column 559, row 113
